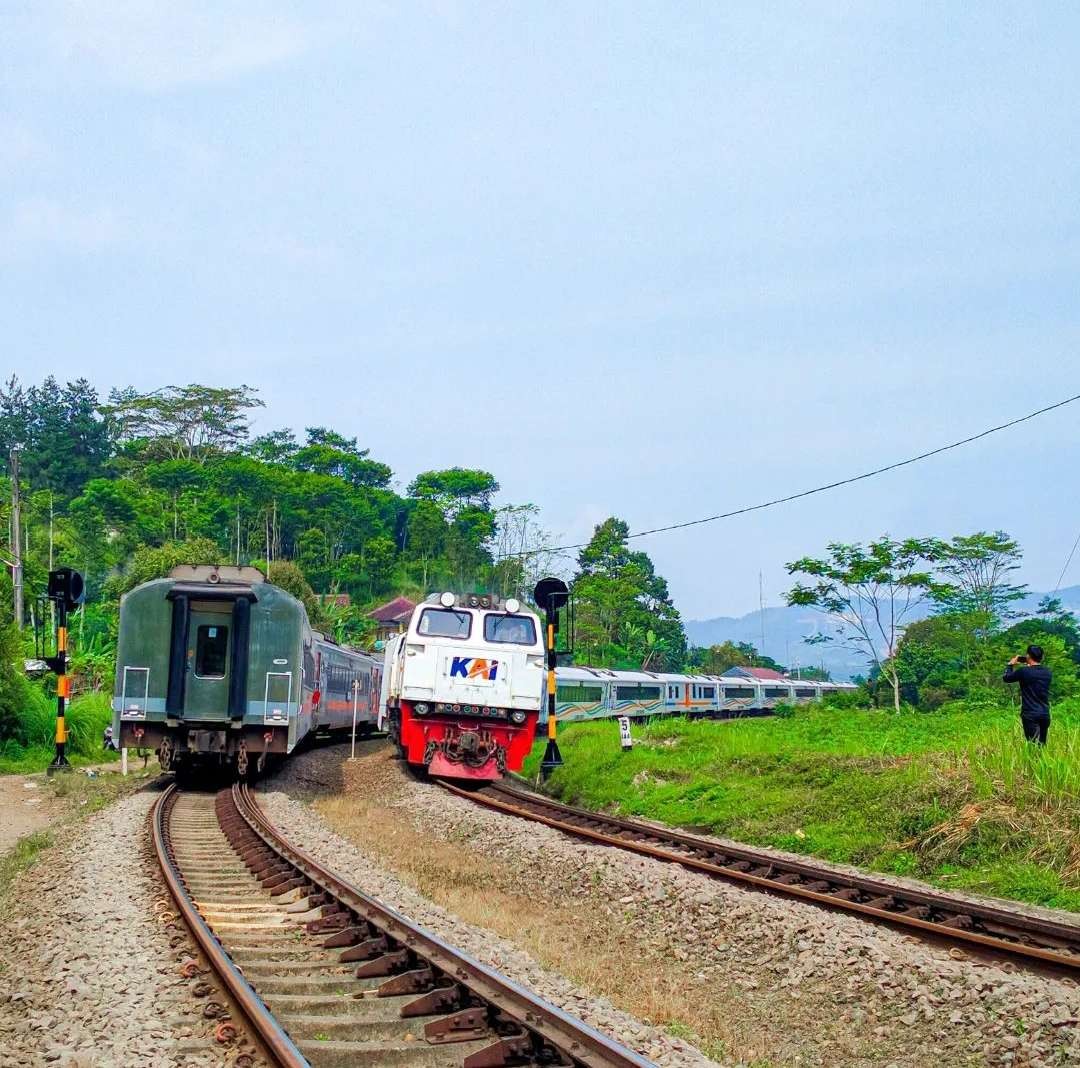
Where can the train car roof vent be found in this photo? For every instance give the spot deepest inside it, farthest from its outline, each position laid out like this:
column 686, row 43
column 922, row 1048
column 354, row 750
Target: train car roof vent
column 217, row 573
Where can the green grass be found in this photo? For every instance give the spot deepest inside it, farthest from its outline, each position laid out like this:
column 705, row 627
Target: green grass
column 87, row 717
column 21, row 856
column 953, row 796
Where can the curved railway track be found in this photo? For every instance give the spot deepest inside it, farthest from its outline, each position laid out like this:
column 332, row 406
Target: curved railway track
column 988, row 927
column 325, row 975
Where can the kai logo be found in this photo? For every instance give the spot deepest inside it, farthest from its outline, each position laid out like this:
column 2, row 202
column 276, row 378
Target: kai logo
column 473, row 667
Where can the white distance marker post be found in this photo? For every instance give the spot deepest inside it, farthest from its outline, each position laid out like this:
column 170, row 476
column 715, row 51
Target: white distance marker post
column 123, row 761
column 624, row 733
column 355, row 698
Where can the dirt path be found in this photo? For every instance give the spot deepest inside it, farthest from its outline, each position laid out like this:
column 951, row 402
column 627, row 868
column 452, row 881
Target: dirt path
column 26, row 806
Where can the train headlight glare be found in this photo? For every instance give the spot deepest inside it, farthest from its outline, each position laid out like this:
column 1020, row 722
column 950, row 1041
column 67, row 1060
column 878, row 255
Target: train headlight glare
column 447, row 600
column 512, row 604
column 517, row 716
column 422, row 708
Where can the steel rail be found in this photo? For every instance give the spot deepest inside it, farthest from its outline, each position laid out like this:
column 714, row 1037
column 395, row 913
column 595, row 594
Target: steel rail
column 258, row 1017
column 1003, row 930
column 584, row 1045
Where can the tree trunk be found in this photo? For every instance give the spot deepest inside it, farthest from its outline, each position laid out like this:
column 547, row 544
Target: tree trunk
column 896, row 690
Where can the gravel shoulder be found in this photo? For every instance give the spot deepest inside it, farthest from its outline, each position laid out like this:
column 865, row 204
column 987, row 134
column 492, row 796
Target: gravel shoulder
column 91, row 956
column 311, row 773
column 752, row 979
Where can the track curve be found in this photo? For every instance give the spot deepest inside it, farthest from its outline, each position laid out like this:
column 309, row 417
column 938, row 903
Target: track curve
column 989, row 927
column 326, row 975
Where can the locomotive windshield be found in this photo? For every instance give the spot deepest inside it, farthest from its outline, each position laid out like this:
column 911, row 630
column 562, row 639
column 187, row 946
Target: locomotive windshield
column 514, row 630
column 444, row 623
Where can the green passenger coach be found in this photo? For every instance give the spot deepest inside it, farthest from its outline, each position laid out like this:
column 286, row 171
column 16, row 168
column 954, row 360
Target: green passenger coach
column 215, row 665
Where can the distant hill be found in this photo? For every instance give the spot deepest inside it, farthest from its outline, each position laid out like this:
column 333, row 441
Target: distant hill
column 785, row 629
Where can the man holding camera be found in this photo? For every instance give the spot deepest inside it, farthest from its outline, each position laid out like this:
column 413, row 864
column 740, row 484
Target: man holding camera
column 1034, row 680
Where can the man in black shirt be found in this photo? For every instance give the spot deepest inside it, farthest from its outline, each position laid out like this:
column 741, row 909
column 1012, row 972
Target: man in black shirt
column 1034, row 682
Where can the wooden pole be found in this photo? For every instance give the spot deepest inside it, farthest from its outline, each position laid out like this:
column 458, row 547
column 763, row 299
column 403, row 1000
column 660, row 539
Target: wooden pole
column 16, row 540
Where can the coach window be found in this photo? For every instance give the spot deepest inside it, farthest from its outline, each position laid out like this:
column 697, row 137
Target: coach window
column 444, row 623
column 512, row 630
column 211, row 644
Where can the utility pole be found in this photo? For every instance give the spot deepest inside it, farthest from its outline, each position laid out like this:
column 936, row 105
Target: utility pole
column 761, row 606
column 16, row 538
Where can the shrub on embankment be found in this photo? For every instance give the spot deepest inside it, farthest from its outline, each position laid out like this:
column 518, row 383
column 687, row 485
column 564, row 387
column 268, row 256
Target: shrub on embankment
column 953, row 796
column 30, row 744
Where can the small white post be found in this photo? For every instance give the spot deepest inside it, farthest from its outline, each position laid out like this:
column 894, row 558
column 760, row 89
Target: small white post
column 355, row 698
column 624, row 733
column 123, row 761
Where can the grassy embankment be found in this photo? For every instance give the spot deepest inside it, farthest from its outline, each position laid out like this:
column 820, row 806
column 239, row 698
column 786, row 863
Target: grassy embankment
column 87, row 716
column 955, row 797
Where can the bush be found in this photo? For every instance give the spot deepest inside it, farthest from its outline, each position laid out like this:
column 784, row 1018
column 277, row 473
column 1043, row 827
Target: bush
column 14, row 689
column 845, row 700
column 784, row 710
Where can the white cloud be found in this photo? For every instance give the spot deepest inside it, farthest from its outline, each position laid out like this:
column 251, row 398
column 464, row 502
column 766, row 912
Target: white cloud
column 157, row 46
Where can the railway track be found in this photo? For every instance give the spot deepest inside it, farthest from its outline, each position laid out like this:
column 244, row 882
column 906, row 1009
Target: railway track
column 325, row 975
column 988, row 927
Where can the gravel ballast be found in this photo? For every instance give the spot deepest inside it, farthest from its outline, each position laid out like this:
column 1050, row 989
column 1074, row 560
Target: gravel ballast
column 91, row 957
column 792, row 983
column 303, row 826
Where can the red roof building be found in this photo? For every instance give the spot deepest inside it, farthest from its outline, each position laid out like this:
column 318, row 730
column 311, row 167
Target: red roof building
column 761, row 674
column 393, row 617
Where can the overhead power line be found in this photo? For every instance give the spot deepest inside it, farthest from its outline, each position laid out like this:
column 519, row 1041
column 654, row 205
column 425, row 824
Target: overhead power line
column 832, row 485
column 1068, row 560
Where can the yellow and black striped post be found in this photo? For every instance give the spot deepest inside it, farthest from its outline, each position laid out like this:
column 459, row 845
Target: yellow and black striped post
column 551, row 594
column 63, row 688
column 65, row 591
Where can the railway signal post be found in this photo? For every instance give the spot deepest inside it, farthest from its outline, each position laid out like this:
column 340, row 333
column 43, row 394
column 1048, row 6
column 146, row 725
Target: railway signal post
column 550, row 595
column 66, row 592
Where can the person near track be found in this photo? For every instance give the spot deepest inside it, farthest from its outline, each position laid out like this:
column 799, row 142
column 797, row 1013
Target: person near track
column 1034, row 680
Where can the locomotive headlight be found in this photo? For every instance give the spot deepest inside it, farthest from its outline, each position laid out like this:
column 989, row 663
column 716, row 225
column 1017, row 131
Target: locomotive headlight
column 517, row 716
column 421, row 708
column 447, row 600
column 512, row 604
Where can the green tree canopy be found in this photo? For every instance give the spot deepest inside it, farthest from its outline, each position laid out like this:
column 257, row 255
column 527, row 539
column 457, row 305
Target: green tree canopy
column 624, row 615
column 870, row 592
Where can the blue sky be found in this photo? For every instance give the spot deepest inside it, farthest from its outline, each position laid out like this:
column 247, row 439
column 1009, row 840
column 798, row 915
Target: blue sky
column 653, row 260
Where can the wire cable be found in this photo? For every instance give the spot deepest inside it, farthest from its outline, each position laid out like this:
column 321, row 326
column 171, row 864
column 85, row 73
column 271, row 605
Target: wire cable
column 1068, row 560
column 830, row 485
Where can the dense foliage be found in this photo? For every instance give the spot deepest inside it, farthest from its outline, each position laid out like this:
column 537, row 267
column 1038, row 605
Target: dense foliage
column 126, row 489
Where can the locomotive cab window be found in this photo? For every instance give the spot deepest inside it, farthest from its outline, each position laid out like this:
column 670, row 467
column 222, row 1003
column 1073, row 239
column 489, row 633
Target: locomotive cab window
column 444, row 623
column 513, row 630
column 211, row 646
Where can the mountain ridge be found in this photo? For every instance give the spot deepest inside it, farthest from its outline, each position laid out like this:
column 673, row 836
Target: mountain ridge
column 786, row 628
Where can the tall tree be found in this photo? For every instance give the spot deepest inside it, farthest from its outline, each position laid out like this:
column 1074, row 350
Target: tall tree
column 976, row 570
column 189, row 422
column 328, row 453
column 870, row 593
column 619, row 599
column 455, row 489
column 64, row 440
